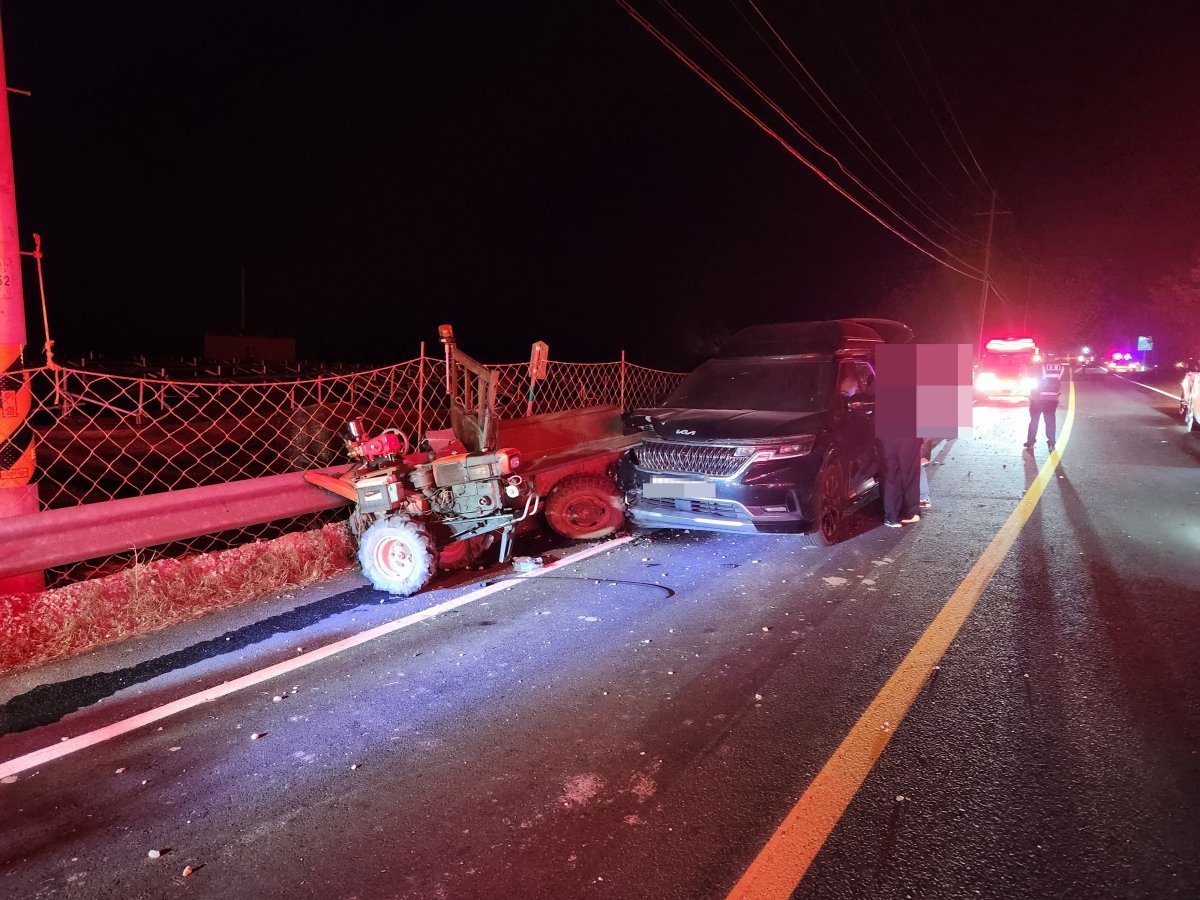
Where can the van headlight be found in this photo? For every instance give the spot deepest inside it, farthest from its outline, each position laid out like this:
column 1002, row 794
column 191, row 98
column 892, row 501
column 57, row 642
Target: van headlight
column 801, row 446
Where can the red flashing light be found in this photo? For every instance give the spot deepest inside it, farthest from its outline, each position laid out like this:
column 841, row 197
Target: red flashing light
column 1011, row 345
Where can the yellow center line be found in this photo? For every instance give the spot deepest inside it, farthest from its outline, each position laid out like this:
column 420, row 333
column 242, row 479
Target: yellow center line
column 782, row 862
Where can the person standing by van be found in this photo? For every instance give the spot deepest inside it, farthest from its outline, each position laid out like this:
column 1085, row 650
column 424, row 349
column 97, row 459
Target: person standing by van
column 901, row 480
column 1043, row 404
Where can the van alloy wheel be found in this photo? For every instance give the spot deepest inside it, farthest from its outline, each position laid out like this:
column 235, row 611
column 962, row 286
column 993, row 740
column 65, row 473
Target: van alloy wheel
column 833, row 502
column 830, row 506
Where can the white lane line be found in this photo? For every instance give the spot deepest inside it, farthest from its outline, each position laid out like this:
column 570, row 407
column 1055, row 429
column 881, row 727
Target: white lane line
column 1150, row 388
column 108, row 732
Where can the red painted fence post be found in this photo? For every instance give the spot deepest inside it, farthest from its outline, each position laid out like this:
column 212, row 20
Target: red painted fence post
column 18, row 494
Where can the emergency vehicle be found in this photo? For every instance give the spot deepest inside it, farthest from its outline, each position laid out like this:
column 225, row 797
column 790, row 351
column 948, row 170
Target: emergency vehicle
column 1006, row 371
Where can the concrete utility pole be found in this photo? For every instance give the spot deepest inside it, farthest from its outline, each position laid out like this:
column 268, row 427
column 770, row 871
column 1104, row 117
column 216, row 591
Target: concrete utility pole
column 987, row 268
column 17, row 494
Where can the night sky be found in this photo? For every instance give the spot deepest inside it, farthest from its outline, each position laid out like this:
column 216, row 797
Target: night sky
column 550, row 171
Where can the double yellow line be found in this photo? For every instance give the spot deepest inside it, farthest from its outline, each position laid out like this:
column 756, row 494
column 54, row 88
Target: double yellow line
column 782, row 863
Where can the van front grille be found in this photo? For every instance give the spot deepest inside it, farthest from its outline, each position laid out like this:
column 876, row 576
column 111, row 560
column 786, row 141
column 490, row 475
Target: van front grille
column 695, row 459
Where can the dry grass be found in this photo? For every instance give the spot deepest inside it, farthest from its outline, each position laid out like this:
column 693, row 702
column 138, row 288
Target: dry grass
column 36, row 628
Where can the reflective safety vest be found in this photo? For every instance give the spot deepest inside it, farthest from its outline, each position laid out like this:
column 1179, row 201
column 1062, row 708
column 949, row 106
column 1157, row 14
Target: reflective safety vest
column 1050, row 380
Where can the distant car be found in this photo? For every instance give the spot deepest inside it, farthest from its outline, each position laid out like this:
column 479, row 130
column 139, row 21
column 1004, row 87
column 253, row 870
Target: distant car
column 1123, row 362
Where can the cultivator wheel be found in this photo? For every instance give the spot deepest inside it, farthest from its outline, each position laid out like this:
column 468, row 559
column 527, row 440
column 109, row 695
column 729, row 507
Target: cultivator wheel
column 585, row 507
column 397, row 555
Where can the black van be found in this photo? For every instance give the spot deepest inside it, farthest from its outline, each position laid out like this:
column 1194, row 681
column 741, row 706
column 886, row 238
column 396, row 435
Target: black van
column 776, row 434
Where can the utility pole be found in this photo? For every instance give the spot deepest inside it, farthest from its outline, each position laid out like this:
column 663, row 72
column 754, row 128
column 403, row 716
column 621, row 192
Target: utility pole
column 987, row 268
column 18, row 495
column 1028, row 291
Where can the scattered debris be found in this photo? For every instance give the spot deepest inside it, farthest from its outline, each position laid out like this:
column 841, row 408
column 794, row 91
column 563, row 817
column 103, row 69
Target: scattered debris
column 835, row 580
column 154, row 854
column 187, row 870
column 258, row 734
column 173, row 749
column 122, row 770
column 8, row 779
column 527, row 563
column 580, row 790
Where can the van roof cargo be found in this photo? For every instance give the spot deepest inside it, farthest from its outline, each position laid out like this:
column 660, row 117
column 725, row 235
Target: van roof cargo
column 793, row 338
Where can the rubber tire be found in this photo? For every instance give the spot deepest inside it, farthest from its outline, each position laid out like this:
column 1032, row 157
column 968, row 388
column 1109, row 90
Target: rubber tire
column 465, row 553
column 831, row 513
column 1189, row 419
column 585, row 507
column 397, row 555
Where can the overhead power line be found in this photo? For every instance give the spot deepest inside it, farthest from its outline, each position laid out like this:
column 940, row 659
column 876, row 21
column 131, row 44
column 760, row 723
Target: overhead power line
column 855, row 138
column 966, row 269
column 946, row 103
column 929, row 106
column 887, row 117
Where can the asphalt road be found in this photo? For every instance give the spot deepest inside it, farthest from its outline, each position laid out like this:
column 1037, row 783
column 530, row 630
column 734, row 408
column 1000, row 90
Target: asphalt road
column 638, row 723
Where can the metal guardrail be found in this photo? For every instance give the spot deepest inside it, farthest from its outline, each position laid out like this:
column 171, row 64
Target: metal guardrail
column 56, row 537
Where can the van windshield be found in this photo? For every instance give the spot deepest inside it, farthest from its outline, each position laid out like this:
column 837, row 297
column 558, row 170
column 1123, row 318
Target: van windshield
column 768, row 385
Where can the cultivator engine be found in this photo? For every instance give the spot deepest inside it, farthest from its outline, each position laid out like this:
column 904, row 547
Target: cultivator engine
column 440, row 506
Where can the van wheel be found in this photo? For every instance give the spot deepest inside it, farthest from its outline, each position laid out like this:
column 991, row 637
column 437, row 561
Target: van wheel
column 1189, row 418
column 585, row 507
column 831, row 506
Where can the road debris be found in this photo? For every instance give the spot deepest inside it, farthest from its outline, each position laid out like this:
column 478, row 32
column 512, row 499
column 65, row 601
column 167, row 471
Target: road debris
column 187, row 870
column 527, row 563
column 154, row 854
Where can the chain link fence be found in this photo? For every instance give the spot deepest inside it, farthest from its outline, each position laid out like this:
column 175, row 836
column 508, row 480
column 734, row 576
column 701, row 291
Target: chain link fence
column 103, row 436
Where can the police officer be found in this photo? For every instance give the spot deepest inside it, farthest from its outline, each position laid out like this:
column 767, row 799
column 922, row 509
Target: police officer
column 1043, row 403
